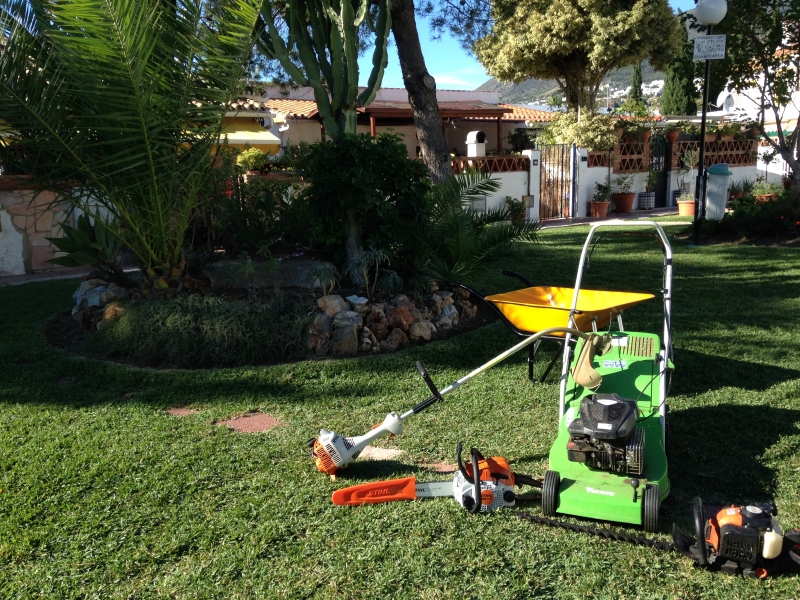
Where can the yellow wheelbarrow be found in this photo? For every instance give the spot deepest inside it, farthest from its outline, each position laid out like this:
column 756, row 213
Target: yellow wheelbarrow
column 535, row 308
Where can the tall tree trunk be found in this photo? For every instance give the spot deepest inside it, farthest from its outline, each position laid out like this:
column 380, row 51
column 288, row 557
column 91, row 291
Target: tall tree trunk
column 421, row 89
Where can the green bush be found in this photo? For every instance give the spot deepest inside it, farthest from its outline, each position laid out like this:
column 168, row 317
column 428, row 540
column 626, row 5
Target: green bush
column 194, row 332
column 595, row 132
column 371, row 178
column 239, row 217
column 776, row 218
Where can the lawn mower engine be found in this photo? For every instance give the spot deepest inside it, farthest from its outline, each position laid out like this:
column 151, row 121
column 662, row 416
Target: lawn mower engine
column 606, row 437
column 741, row 540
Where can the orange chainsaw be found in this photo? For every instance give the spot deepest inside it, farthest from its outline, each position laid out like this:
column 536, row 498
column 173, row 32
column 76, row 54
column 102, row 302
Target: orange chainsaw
column 481, row 485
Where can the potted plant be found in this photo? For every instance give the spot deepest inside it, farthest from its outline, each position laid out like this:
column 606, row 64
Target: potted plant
column 598, row 206
column 726, row 131
column 671, row 132
column 623, row 197
column 764, row 192
column 787, row 182
column 647, row 199
column 516, row 210
column 690, row 159
column 686, row 205
column 735, row 190
column 688, row 131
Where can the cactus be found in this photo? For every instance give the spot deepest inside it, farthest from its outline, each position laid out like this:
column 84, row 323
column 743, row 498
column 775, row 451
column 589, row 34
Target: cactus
column 323, row 34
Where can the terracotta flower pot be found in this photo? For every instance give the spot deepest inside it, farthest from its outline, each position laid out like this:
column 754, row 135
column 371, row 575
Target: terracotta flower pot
column 623, row 203
column 646, row 136
column 672, row 136
column 766, row 197
column 686, row 209
column 598, row 209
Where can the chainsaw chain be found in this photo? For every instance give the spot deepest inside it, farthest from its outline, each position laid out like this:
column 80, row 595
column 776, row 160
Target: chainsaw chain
column 603, row 533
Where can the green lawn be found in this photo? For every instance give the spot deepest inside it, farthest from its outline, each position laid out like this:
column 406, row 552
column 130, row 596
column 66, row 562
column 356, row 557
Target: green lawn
column 106, row 496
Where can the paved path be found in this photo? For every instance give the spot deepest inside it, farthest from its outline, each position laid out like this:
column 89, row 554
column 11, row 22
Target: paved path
column 550, row 223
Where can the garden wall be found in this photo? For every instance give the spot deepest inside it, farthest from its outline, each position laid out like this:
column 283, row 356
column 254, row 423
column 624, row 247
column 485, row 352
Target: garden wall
column 25, row 223
column 635, row 158
column 518, row 175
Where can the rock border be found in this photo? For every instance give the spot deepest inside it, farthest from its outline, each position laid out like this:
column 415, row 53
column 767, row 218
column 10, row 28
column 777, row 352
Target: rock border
column 347, row 327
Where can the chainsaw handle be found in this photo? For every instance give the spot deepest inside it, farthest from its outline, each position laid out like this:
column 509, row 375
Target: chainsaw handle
column 474, row 478
column 461, row 466
column 476, row 456
column 700, row 526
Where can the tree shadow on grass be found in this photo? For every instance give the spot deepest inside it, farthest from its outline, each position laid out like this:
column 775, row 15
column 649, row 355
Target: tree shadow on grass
column 716, row 451
column 698, row 373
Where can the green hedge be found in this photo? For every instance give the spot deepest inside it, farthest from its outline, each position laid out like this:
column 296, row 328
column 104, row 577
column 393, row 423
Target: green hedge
column 195, row 331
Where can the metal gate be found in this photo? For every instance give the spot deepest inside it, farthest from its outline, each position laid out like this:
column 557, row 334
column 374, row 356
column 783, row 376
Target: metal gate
column 658, row 163
column 556, row 181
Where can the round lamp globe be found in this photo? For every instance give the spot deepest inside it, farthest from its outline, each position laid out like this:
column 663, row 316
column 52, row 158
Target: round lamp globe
column 710, row 12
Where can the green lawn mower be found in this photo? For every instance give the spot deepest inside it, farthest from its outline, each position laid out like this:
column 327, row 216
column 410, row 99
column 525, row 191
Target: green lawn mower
column 609, row 461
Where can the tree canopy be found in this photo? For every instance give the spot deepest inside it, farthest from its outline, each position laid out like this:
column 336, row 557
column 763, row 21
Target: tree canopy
column 576, row 42
column 763, row 64
column 680, row 94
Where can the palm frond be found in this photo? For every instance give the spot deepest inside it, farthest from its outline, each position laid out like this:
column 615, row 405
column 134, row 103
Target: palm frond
column 122, row 102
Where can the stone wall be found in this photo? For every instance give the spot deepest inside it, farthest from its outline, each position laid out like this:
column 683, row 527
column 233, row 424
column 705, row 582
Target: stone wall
column 25, row 223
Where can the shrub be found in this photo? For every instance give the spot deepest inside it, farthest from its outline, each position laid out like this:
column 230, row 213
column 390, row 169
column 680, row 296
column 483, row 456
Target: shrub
column 776, row 218
column 239, row 217
column 195, row 331
column 371, row 181
column 252, row 159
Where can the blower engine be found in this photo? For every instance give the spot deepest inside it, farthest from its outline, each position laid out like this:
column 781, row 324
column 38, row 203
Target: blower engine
column 741, row 540
column 606, row 437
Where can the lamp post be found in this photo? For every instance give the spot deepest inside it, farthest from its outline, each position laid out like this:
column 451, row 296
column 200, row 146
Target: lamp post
column 709, row 13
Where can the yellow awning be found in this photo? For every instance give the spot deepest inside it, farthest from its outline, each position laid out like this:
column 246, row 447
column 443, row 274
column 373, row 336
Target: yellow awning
column 246, row 131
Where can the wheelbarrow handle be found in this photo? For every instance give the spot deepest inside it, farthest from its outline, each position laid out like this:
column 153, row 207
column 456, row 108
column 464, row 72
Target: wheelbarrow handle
column 522, row 278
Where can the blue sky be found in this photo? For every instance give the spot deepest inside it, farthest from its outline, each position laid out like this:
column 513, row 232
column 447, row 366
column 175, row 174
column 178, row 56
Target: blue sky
column 452, row 68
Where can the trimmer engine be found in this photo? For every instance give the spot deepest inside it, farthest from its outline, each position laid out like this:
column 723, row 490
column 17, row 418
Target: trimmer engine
column 606, row 437
column 741, row 540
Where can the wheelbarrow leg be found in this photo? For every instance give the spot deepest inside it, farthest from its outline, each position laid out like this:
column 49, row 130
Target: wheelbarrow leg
column 531, row 359
column 556, row 356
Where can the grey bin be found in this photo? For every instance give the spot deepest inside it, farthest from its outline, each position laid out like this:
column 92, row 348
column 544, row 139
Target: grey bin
column 719, row 179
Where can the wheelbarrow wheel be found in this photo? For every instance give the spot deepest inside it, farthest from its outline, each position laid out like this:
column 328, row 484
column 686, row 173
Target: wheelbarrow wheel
column 652, row 502
column 552, row 481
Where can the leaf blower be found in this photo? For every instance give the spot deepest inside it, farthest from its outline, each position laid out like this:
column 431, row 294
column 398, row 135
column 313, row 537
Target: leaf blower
column 479, row 486
column 741, row 540
column 332, row 451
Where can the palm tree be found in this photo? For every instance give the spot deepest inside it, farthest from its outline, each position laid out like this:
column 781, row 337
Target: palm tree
column 463, row 244
column 117, row 106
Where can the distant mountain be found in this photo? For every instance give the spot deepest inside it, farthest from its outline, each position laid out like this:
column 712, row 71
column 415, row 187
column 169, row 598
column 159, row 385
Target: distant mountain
column 537, row 91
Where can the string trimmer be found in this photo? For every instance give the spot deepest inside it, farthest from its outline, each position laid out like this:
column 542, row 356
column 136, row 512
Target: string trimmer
column 488, row 479
column 332, row 451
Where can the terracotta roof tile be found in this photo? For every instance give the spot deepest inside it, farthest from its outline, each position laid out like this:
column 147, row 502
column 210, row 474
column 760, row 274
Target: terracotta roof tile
column 247, row 104
column 293, row 109
column 519, row 113
column 305, row 109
